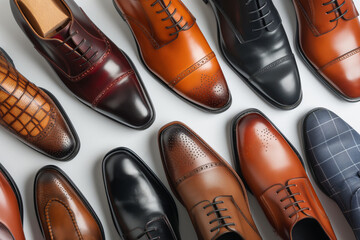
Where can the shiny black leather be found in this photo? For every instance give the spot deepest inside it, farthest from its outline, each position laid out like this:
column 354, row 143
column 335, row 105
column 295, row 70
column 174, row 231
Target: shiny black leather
column 259, row 50
column 141, row 206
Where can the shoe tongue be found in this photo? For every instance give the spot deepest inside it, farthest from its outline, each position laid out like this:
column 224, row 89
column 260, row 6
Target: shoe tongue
column 63, row 33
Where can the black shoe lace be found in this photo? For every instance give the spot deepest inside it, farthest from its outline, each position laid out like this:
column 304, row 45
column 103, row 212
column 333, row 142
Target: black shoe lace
column 292, row 199
column 77, row 47
column 170, row 15
column 262, row 16
column 146, row 232
column 218, row 218
column 337, row 8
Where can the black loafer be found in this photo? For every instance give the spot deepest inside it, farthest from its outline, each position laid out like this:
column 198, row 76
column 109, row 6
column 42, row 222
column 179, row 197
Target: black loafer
column 141, row 206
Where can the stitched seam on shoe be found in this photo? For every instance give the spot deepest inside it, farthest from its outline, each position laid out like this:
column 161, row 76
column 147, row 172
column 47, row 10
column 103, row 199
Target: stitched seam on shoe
column 198, row 170
column 192, row 69
column 272, row 65
column 48, row 222
column 110, row 86
column 341, row 58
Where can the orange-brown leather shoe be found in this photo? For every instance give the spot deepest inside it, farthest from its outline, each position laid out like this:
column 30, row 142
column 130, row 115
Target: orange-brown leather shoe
column 62, row 211
column 273, row 171
column 173, row 48
column 329, row 42
column 33, row 115
column 206, row 185
column 11, row 209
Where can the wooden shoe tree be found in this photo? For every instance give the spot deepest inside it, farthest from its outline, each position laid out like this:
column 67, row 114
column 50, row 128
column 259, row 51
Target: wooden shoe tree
column 45, row 16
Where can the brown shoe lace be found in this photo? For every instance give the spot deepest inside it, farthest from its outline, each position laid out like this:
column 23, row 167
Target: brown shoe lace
column 170, row 15
column 337, row 8
column 218, row 216
column 292, row 199
column 82, row 55
column 262, row 16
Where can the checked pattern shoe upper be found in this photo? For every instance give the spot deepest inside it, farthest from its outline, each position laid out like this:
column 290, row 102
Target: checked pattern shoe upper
column 333, row 151
column 33, row 116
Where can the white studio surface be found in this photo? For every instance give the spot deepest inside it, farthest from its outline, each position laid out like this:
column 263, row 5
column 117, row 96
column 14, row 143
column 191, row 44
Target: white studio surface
column 99, row 135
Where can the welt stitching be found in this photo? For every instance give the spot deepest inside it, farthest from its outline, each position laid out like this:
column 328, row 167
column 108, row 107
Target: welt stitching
column 341, row 58
column 110, row 86
column 70, row 214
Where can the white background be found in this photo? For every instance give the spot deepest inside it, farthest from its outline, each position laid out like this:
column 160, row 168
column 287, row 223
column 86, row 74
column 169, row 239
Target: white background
column 99, row 135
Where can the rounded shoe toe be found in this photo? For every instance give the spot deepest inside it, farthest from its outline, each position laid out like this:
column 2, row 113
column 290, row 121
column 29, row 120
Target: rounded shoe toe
column 61, row 143
column 127, row 102
column 280, row 85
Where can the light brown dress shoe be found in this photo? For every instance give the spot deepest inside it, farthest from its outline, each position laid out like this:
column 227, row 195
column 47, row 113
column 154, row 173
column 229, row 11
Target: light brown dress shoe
column 62, row 211
column 329, row 42
column 174, row 49
column 206, row 185
column 11, row 208
column 273, row 171
column 34, row 115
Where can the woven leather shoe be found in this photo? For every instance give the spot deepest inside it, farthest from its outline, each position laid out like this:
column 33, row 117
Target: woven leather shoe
column 97, row 72
column 34, row 116
column 173, row 48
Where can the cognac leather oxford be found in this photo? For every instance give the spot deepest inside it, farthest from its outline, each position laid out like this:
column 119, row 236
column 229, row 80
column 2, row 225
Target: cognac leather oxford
column 173, row 48
column 34, row 116
column 329, row 42
column 96, row 71
column 283, row 189
column 63, row 212
column 141, row 206
column 206, row 185
column 11, row 208
column 255, row 45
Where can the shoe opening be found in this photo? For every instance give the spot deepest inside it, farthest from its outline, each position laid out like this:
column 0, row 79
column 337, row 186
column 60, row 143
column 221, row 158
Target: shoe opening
column 230, row 236
column 309, row 229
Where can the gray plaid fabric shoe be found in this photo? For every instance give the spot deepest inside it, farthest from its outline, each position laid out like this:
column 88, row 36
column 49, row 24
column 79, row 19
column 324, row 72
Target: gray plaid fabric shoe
column 333, row 151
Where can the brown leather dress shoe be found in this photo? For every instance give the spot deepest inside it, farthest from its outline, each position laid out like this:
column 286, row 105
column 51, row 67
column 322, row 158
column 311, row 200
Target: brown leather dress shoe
column 62, row 211
column 273, row 171
column 173, row 48
column 206, row 185
column 34, row 116
column 96, row 71
column 11, row 208
column 329, row 41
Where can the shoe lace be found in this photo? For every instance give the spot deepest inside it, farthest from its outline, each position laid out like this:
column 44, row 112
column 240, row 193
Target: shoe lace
column 146, row 232
column 170, row 15
column 336, row 8
column 218, row 216
column 261, row 16
column 83, row 41
column 293, row 201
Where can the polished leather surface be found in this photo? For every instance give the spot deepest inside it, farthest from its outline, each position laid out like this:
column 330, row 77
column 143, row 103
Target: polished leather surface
column 63, row 213
column 34, row 117
column 332, row 150
column 283, row 189
column 254, row 42
column 141, row 206
column 10, row 217
column 206, row 185
column 179, row 56
column 331, row 43
column 104, row 78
